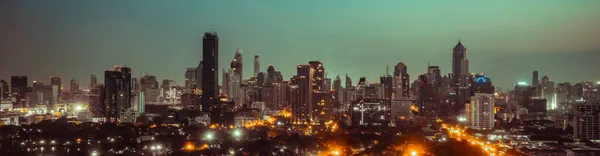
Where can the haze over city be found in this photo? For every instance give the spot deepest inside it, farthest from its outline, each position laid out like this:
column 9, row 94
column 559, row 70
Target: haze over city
column 506, row 40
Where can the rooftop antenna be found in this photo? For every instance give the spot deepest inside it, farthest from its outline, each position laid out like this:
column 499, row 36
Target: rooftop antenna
column 387, row 70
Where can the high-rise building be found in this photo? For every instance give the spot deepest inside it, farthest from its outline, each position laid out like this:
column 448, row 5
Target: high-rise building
column 190, row 79
column 225, row 85
column 400, row 108
column 482, row 84
column 210, row 70
column 318, row 75
column 236, row 64
column 586, row 120
column 96, row 97
column 139, row 102
column 199, row 70
column 535, row 81
column 236, row 94
column 93, row 81
column 401, row 81
column 302, row 88
column 135, row 85
column 327, row 84
column 166, row 87
column 74, row 88
column 117, row 92
column 460, row 76
column 387, row 82
column 4, row 92
column 57, row 81
column 348, row 81
column 256, row 65
column 337, row 89
column 481, row 112
column 563, row 96
column 18, row 86
column 548, row 93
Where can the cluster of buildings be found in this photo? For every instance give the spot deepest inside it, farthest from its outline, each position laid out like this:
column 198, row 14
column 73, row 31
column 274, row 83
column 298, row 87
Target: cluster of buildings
column 311, row 97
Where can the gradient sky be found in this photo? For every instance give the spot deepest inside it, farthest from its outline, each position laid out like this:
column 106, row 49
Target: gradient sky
column 506, row 39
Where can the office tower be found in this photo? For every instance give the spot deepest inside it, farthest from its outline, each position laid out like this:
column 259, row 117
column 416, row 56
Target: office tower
column 135, row 85
column 318, row 75
column 93, row 81
column 481, row 112
column 482, row 84
column 586, row 120
column 96, row 97
column 166, row 87
column 235, row 91
column 149, row 85
column 535, row 81
column 225, row 85
column 117, row 92
column 327, row 84
column 273, row 76
column 256, row 65
column 18, row 86
column 400, row 108
column 337, row 88
column 236, row 64
column 210, row 70
column 401, row 81
column 261, row 78
column 387, row 82
column 74, row 88
column 348, row 81
column 139, row 102
column 190, row 79
column 199, row 70
column 4, row 89
column 434, row 77
column 427, row 99
column 49, row 95
column 563, row 95
column 372, row 113
column 548, row 93
column 460, row 77
column 57, row 81
column 302, row 89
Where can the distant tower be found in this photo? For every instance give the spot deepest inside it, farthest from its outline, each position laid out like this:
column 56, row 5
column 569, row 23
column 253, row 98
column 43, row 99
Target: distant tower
column 318, row 75
column 74, row 86
column 58, row 82
column 236, row 64
column 401, row 80
column 301, row 105
column 93, row 81
column 535, row 81
column 256, row 65
column 210, row 70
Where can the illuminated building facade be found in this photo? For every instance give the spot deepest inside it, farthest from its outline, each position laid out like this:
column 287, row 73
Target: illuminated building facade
column 401, row 81
column 302, row 90
column 190, row 79
column 480, row 112
column 460, row 77
column 367, row 112
column 18, row 87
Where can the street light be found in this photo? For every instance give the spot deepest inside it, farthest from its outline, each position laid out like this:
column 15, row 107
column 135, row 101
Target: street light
column 208, row 136
column 237, row 133
column 413, row 153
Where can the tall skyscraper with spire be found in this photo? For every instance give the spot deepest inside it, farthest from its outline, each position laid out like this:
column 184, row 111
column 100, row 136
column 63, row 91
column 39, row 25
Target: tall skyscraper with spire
column 460, row 75
column 210, row 70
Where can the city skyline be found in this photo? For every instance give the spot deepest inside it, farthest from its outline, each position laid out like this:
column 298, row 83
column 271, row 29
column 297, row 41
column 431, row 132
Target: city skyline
column 165, row 50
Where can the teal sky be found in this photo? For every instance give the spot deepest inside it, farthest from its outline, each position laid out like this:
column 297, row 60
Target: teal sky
column 506, row 39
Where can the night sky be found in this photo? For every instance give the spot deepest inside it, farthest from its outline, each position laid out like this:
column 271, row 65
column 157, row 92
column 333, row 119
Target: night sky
column 506, row 39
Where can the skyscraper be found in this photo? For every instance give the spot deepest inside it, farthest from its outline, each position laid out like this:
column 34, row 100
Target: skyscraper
column 338, row 89
column 235, row 92
column 535, row 81
column 57, row 81
column 401, row 80
column 74, row 88
column 210, row 70
column 4, row 89
column 190, row 79
column 117, row 92
column 302, row 99
column 256, row 65
column 318, row 75
column 481, row 112
column 199, row 70
column 460, row 71
column 93, row 81
column 548, row 93
column 225, row 86
column 18, row 86
column 236, row 64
